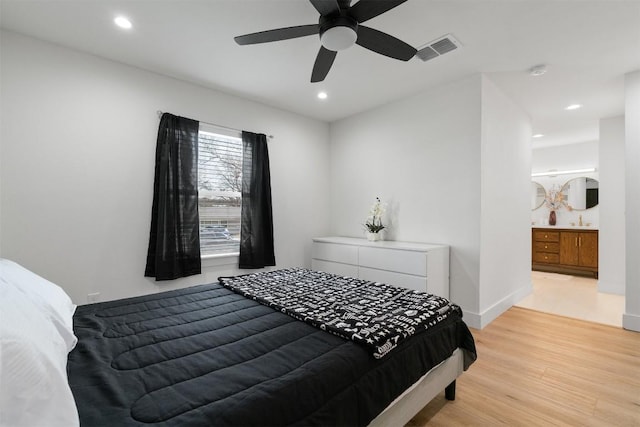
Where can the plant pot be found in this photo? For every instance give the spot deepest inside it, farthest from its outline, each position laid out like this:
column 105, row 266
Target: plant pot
column 373, row 237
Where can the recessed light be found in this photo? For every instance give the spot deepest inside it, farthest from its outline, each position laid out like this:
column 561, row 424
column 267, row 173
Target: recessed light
column 537, row 135
column 573, row 107
column 123, row 22
column 538, row 70
column 322, row 95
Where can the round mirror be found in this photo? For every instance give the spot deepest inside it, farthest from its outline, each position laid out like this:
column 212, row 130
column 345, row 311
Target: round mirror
column 537, row 195
column 580, row 193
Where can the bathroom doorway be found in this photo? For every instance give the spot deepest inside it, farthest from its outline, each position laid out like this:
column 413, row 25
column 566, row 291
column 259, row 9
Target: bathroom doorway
column 565, row 218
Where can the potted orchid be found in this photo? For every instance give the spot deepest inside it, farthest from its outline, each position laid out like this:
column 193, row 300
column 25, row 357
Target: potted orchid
column 374, row 225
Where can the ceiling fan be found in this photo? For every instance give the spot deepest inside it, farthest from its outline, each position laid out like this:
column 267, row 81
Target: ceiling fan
column 340, row 27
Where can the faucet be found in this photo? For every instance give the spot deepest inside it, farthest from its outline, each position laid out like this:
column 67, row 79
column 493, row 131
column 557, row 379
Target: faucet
column 580, row 220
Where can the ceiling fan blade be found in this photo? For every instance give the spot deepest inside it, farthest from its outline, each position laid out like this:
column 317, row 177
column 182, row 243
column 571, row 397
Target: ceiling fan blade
column 384, row 44
column 323, row 64
column 278, row 34
column 367, row 9
column 325, row 7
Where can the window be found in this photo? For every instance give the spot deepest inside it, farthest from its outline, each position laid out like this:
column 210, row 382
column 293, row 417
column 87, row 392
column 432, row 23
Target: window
column 219, row 191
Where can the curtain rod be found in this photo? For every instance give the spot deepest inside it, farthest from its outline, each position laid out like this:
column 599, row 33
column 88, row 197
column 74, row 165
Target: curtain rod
column 160, row 113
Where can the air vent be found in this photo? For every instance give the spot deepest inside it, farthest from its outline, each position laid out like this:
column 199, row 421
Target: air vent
column 438, row 47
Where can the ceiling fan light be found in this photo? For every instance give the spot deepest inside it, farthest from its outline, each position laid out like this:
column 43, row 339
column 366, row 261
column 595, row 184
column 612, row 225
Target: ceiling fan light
column 338, row 38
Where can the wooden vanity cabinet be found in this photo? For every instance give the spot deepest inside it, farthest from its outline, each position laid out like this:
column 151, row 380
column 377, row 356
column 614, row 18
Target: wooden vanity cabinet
column 579, row 248
column 565, row 250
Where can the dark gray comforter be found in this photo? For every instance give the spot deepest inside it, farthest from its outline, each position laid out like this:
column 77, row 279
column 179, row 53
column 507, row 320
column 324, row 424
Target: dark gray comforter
column 206, row 356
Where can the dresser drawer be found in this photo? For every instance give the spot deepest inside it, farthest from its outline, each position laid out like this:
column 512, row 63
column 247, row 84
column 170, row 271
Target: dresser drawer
column 408, row 262
column 334, row 268
column 546, row 257
column 546, row 236
column 552, row 247
column 396, row 279
column 345, row 254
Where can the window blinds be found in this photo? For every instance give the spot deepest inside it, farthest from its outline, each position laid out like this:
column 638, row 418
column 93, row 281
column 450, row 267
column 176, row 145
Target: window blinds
column 219, row 192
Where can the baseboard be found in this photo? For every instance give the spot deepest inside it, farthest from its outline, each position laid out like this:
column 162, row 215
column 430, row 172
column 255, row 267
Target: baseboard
column 473, row 320
column 480, row 320
column 611, row 287
column 631, row 322
column 522, row 293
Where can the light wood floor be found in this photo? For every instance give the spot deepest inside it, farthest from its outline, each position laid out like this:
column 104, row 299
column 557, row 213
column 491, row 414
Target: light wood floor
column 541, row 369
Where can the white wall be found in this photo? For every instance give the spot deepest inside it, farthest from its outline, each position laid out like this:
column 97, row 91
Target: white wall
column 505, row 235
column 562, row 157
column 424, row 156
column 421, row 156
column 1, row 127
column 611, row 246
column 631, row 317
column 78, row 145
column 566, row 157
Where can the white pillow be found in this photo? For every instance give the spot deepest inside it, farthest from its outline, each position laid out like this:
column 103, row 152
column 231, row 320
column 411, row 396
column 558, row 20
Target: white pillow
column 48, row 297
column 34, row 390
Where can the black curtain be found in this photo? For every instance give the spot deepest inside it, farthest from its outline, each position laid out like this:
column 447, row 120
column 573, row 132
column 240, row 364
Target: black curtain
column 256, row 235
column 174, row 239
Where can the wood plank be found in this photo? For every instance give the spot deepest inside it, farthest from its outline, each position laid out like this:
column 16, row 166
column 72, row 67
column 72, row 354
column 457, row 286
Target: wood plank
column 540, row 369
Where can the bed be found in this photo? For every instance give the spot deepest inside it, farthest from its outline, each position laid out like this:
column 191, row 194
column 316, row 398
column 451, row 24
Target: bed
column 219, row 355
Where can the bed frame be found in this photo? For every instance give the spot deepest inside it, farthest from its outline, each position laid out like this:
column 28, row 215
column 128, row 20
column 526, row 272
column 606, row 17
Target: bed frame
column 409, row 403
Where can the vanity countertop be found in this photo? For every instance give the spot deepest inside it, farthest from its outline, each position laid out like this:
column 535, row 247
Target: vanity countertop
column 566, row 227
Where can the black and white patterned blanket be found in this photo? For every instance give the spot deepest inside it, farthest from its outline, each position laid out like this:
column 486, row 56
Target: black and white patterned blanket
column 377, row 315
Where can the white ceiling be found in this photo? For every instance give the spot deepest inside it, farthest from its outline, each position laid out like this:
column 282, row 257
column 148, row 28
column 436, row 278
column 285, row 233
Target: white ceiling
column 587, row 46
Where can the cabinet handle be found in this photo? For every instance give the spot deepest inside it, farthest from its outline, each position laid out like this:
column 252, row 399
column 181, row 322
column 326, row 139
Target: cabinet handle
column 546, row 257
column 576, row 241
column 545, row 246
column 545, row 236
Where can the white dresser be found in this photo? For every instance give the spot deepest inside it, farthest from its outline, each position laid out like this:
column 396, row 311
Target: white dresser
column 419, row 266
